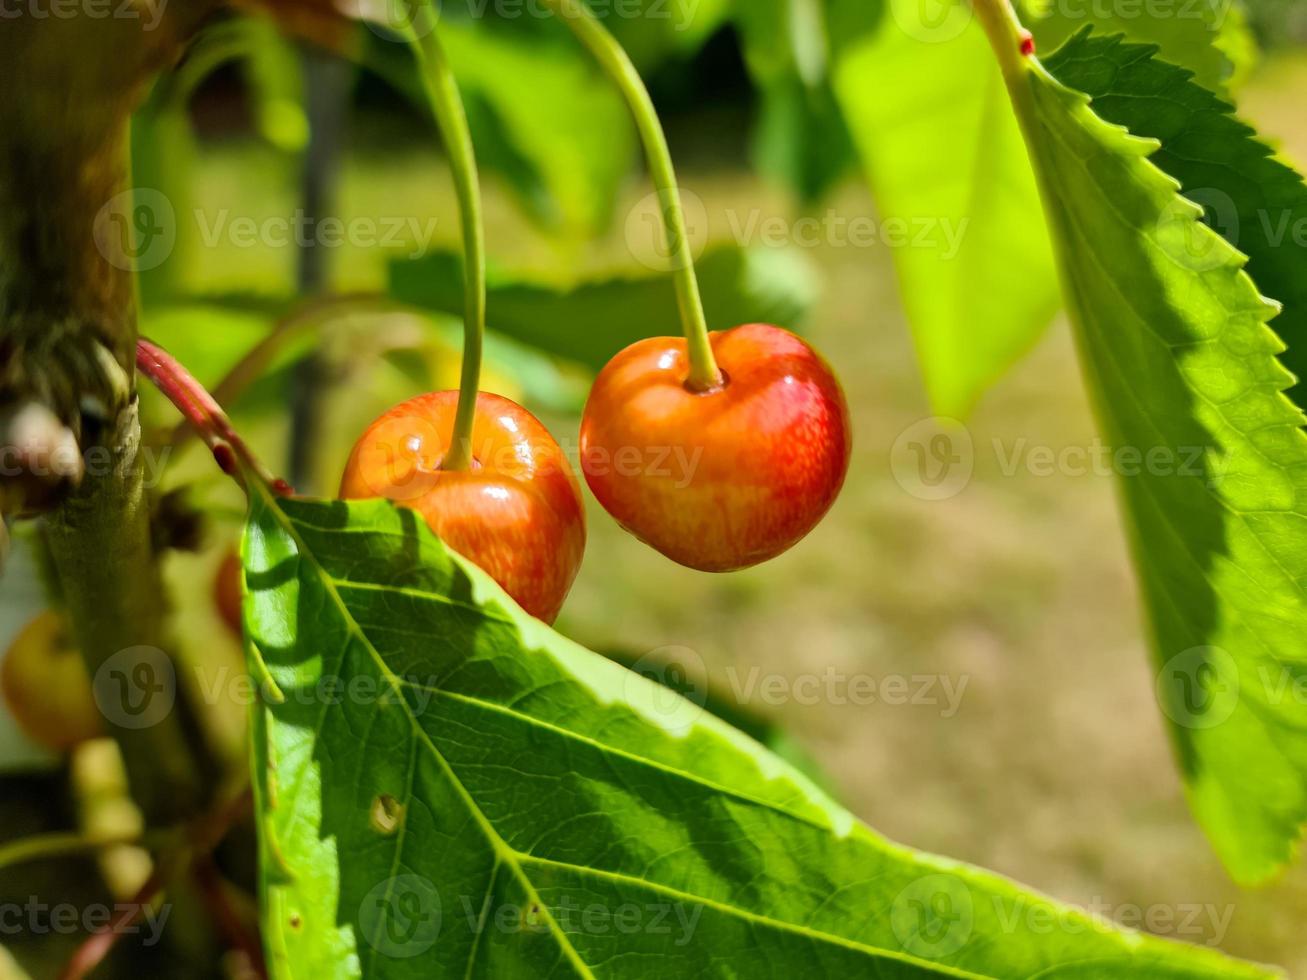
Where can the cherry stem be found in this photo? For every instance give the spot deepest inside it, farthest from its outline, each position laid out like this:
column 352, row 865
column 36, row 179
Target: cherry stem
column 704, row 374
column 204, row 414
column 451, row 119
column 97, row 946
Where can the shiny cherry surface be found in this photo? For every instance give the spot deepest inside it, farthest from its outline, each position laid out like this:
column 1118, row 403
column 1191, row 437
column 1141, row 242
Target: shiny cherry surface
column 516, row 512
column 720, row 479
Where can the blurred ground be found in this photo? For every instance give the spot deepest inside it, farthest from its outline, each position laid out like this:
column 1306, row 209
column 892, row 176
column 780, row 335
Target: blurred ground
column 1048, row 761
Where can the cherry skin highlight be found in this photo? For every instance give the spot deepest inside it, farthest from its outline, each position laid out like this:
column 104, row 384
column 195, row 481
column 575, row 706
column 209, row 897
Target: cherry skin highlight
column 721, row 479
column 517, row 512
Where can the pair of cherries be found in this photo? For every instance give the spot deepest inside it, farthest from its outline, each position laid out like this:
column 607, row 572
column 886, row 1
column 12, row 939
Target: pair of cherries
column 717, row 480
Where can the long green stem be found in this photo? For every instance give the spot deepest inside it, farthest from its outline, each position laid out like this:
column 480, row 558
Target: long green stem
column 442, row 89
column 615, row 61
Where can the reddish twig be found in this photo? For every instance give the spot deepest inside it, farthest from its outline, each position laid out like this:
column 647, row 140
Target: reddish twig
column 92, row 952
column 204, row 414
column 307, row 318
column 205, row 834
column 217, row 898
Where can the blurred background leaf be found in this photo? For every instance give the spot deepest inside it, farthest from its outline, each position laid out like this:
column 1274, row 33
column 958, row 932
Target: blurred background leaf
column 800, row 136
column 593, row 320
column 562, row 141
column 944, row 156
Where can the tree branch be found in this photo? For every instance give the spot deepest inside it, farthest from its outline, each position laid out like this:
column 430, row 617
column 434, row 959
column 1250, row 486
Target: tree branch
column 67, row 346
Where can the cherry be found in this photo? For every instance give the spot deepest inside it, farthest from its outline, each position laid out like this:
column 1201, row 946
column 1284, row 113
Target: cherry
column 227, row 592
column 516, row 512
column 46, row 688
column 727, row 477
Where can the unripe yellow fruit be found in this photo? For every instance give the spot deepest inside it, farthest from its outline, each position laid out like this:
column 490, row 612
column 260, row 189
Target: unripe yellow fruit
column 46, row 688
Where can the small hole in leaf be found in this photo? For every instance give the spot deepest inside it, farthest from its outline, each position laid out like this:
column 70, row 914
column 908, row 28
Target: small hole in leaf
column 295, row 921
column 387, row 814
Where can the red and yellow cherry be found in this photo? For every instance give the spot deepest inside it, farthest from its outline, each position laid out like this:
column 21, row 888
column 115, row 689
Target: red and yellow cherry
column 516, row 512
column 724, row 478
column 227, row 592
column 46, row 688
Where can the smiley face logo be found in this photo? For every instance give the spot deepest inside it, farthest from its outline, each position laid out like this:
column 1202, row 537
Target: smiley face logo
column 400, row 917
column 933, row 917
column 1199, row 687
column 681, row 686
column 933, row 459
column 136, row 230
column 136, row 687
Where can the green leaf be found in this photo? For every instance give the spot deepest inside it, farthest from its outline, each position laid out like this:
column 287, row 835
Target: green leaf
column 783, row 37
column 800, row 136
column 801, row 139
column 941, row 148
column 1184, row 377
column 447, row 788
column 1210, row 37
column 656, row 32
column 1257, row 202
column 591, row 322
column 689, row 680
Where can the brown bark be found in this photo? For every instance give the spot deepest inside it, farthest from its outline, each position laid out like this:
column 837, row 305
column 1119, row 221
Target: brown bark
column 68, row 335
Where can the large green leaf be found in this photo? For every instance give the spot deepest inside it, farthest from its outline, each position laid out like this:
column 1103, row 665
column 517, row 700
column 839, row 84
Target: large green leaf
column 447, row 788
column 1257, row 202
column 1210, row 37
column 686, row 679
column 925, row 103
column 592, row 321
column 1183, row 373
